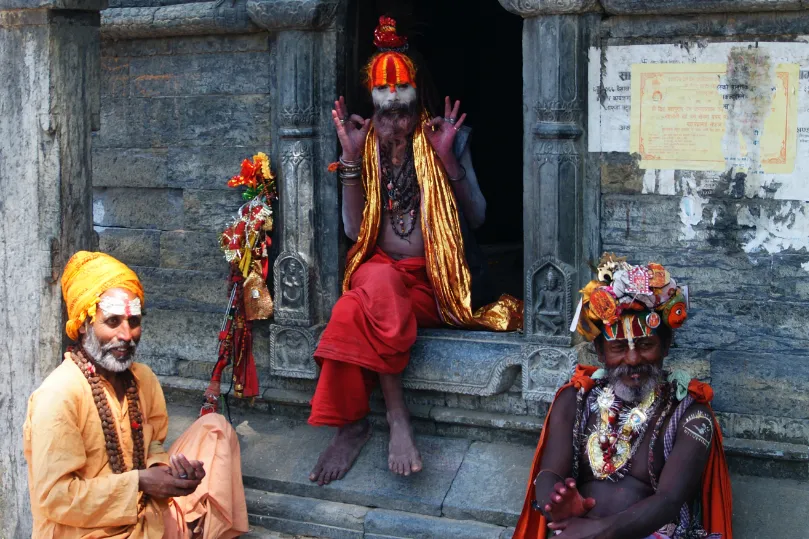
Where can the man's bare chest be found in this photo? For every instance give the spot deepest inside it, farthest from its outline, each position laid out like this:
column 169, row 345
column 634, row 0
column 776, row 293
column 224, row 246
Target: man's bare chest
column 647, row 453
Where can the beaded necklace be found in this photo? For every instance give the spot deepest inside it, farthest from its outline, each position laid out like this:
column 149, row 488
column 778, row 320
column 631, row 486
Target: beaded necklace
column 113, row 444
column 618, row 434
column 401, row 192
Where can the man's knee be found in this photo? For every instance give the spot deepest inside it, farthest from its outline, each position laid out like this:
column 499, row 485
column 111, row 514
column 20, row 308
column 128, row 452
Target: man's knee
column 215, row 423
column 377, row 275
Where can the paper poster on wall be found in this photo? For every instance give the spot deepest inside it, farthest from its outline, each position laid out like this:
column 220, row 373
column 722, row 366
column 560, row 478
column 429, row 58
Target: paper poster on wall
column 689, row 116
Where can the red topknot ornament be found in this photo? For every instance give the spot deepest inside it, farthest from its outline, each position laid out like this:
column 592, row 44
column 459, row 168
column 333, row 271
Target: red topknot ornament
column 385, row 36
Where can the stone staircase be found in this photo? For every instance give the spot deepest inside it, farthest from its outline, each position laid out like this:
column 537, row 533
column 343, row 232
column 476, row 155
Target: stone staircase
column 473, row 481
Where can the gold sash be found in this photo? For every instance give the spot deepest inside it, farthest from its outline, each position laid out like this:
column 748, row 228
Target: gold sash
column 443, row 243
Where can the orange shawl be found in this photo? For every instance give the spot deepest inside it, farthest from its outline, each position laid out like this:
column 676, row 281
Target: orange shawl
column 717, row 505
column 443, row 243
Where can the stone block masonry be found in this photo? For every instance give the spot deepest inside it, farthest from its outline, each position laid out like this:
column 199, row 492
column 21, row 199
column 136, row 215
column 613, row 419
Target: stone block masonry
column 178, row 115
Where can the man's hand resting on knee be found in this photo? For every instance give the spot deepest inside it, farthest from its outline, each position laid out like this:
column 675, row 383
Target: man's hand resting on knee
column 567, row 502
column 181, row 478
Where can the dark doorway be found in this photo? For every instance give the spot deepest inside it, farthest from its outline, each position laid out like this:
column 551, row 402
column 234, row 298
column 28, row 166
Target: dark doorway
column 473, row 52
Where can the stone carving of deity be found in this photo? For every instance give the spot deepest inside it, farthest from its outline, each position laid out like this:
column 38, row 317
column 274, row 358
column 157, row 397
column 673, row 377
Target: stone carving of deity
column 292, row 283
column 548, row 315
column 292, row 350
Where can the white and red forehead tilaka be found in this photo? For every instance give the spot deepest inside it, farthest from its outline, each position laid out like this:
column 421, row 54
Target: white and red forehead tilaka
column 120, row 307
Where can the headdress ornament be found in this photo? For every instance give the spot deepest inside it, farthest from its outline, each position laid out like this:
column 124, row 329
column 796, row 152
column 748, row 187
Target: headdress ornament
column 390, row 66
column 629, row 302
column 88, row 275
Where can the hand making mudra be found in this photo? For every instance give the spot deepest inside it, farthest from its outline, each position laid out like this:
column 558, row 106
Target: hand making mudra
column 402, row 172
column 352, row 130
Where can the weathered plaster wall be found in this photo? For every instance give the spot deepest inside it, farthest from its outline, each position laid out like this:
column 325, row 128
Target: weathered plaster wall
column 48, row 102
column 178, row 115
column 740, row 239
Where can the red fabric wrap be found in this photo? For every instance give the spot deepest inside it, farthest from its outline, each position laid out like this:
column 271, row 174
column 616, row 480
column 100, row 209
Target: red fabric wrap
column 372, row 328
column 717, row 505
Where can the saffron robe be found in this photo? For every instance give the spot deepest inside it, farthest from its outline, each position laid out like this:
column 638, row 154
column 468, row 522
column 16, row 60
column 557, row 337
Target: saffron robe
column 372, row 328
column 74, row 493
column 717, row 504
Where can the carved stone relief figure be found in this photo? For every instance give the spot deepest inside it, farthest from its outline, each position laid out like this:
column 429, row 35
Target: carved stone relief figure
column 293, row 351
column 548, row 292
column 549, row 304
column 292, row 283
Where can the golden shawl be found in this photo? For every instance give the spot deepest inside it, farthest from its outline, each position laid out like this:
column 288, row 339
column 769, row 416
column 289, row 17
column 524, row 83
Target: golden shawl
column 443, row 243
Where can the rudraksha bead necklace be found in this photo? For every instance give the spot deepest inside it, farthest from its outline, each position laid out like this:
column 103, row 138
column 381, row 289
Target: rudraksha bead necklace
column 113, row 444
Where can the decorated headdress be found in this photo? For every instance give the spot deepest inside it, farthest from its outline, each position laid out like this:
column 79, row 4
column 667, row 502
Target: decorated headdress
column 390, row 66
column 88, row 275
column 629, row 302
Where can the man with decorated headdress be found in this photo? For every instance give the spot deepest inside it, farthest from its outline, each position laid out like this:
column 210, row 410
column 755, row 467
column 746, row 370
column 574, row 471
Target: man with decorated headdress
column 95, row 429
column 630, row 450
column 410, row 198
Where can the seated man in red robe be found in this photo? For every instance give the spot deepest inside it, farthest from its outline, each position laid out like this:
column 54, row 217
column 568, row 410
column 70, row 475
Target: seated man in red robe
column 629, row 451
column 409, row 190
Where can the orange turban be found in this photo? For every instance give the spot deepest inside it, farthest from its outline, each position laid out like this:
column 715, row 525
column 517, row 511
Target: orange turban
column 87, row 276
column 390, row 69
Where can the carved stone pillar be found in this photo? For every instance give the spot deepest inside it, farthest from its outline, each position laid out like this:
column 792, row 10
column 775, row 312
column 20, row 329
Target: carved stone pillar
column 557, row 243
column 303, row 65
column 49, row 72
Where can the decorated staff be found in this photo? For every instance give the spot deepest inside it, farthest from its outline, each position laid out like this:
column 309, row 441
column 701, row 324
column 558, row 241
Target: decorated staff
column 246, row 244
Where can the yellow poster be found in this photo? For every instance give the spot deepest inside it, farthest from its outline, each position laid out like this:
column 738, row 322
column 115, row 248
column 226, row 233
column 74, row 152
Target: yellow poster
column 688, row 117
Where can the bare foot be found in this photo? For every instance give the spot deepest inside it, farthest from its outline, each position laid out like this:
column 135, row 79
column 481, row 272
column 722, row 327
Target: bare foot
column 403, row 457
column 335, row 461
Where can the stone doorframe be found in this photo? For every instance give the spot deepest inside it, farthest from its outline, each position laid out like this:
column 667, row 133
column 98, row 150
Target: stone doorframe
column 560, row 210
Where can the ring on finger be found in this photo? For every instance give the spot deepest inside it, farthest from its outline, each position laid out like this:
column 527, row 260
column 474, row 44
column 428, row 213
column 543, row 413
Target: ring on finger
column 343, row 120
column 183, row 475
column 450, row 120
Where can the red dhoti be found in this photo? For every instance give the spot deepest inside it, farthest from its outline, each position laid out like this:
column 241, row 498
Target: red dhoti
column 372, row 328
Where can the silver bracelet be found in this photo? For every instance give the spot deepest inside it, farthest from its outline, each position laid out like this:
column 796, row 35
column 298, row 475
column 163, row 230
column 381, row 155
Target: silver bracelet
column 357, row 163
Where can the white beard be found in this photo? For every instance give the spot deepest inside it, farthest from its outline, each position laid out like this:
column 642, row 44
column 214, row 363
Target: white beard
column 101, row 355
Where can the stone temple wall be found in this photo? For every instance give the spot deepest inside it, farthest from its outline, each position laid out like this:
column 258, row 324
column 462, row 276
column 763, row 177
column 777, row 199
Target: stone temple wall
column 188, row 91
column 736, row 233
column 178, row 114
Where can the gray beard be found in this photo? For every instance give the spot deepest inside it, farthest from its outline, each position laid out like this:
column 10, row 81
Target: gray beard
column 101, row 355
column 653, row 377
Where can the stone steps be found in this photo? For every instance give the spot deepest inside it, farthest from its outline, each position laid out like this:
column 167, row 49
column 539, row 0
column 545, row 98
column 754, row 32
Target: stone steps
column 468, row 488
column 745, row 457
column 257, row 532
column 434, row 420
column 462, row 479
column 295, row 514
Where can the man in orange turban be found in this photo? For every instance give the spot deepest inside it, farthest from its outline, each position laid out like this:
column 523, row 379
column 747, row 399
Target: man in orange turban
column 409, row 195
column 95, row 429
column 629, row 450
